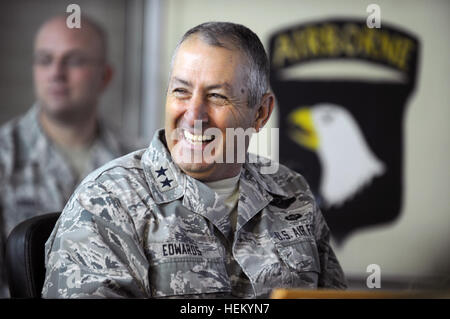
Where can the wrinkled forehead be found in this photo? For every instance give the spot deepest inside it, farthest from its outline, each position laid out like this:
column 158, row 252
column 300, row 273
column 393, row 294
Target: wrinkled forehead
column 196, row 46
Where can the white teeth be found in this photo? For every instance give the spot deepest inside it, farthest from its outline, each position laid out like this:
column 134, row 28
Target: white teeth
column 196, row 138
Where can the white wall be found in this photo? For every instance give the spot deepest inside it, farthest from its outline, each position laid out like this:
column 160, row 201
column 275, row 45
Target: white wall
column 416, row 245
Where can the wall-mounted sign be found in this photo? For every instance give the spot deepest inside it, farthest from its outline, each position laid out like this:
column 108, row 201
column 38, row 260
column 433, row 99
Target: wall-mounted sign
column 345, row 136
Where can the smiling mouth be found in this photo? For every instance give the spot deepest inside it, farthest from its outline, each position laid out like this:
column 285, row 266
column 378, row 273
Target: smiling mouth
column 197, row 139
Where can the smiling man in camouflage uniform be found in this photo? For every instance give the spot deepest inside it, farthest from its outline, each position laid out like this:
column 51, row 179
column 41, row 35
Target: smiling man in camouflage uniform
column 153, row 224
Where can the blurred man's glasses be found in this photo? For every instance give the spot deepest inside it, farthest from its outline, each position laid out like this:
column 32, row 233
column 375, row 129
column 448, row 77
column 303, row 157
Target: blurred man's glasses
column 71, row 61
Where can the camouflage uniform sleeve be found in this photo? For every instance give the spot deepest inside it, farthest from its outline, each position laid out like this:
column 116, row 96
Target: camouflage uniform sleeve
column 331, row 275
column 93, row 251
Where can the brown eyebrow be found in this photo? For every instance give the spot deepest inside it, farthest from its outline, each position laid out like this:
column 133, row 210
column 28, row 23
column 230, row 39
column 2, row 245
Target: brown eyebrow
column 70, row 52
column 225, row 85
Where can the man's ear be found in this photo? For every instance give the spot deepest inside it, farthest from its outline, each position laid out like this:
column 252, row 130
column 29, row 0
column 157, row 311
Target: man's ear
column 264, row 111
column 108, row 73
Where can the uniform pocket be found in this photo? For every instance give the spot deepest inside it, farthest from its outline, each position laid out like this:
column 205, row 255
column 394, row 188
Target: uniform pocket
column 178, row 269
column 302, row 258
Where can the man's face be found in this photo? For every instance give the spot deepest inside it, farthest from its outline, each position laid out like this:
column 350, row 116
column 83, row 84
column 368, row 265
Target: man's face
column 207, row 86
column 69, row 71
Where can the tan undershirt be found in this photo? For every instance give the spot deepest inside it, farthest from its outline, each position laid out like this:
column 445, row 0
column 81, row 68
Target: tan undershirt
column 78, row 158
column 228, row 191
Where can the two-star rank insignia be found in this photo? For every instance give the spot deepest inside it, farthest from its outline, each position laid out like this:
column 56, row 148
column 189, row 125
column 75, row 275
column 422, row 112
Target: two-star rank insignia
column 164, row 178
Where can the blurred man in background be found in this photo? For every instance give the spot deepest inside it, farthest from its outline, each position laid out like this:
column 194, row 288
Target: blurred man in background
column 46, row 152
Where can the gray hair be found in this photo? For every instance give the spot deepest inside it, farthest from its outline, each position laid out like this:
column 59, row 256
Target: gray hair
column 220, row 34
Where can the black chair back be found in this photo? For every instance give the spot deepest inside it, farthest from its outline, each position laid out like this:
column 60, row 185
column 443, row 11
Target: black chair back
column 25, row 255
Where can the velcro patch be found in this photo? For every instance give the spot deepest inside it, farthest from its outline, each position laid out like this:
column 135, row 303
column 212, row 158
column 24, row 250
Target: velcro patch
column 164, row 178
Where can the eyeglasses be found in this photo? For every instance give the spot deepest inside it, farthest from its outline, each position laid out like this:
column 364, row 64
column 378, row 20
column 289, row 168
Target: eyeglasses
column 70, row 61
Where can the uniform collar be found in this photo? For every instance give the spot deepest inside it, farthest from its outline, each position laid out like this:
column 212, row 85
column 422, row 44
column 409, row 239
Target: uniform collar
column 106, row 146
column 38, row 144
column 168, row 183
column 270, row 183
column 164, row 177
column 256, row 190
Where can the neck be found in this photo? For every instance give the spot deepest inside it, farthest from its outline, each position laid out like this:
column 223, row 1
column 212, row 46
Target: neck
column 77, row 134
column 229, row 183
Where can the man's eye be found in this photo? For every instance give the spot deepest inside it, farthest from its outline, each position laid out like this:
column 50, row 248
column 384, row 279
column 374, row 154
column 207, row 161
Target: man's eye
column 180, row 92
column 218, row 98
column 75, row 61
column 43, row 60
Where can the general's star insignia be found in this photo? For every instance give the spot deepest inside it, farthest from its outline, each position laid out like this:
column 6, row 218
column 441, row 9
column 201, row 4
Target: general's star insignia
column 166, row 182
column 161, row 171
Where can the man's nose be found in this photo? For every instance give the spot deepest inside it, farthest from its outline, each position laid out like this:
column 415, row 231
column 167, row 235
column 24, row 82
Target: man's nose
column 197, row 109
column 58, row 71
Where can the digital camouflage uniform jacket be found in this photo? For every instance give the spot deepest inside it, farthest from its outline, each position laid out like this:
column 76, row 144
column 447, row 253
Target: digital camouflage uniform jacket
column 138, row 227
column 34, row 177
